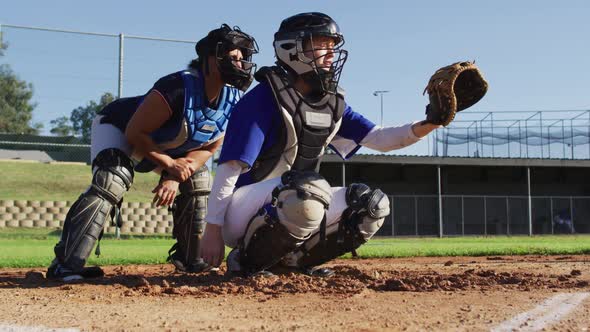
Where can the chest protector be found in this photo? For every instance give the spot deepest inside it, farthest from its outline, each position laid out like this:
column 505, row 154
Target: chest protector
column 197, row 125
column 307, row 128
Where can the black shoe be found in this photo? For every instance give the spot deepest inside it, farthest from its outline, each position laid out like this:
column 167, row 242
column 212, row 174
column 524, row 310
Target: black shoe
column 196, row 267
column 57, row 271
column 321, row 272
column 234, row 269
column 176, row 258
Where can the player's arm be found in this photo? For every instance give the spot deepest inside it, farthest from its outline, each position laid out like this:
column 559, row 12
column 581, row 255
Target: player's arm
column 357, row 131
column 224, row 183
column 199, row 157
column 212, row 245
column 385, row 139
column 165, row 191
column 424, row 128
column 153, row 112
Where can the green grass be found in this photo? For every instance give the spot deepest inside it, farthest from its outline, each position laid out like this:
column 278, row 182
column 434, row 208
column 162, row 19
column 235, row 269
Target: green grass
column 30, row 247
column 478, row 246
column 60, row 182
column 33, row 247
column 38, row 253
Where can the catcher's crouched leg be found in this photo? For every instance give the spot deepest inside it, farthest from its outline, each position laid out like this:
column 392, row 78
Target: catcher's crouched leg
column 298, row 208
column 85, row 220
column 188, row 214
column 360, row 221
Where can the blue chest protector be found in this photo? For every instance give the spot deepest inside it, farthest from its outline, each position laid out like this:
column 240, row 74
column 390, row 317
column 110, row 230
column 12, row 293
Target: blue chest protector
column 197, row 125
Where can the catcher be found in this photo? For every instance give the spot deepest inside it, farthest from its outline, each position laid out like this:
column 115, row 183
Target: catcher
column 267, row 202
column 173, row 130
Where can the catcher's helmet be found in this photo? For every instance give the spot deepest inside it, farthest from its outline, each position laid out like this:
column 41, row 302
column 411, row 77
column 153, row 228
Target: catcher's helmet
column 289, row 49
column 219, row 43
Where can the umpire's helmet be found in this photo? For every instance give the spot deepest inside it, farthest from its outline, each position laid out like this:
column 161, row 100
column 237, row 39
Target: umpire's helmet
column 219, row 43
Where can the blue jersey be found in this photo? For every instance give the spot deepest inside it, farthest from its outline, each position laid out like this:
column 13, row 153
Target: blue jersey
column 257, row 124
column 193, row 122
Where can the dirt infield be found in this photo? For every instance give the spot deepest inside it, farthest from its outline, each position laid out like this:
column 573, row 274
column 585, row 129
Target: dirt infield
column 459, row 293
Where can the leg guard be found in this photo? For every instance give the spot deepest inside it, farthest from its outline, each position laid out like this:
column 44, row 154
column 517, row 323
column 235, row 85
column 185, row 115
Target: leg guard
column 298, row 207
column 86, row 218
column 189, row 210
column 360, row 221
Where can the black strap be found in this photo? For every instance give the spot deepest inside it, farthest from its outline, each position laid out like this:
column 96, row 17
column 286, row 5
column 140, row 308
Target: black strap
column 97, row 250
column 116, row 220
column 346, row 217
column 116, row 217
column 172, row 251
column 349, row 222
column 323, row 230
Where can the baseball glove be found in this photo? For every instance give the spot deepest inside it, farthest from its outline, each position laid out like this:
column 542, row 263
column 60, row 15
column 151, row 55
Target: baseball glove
column 452, row 89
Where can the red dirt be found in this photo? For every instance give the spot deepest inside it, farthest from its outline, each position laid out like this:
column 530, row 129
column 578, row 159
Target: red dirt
column 377, row 294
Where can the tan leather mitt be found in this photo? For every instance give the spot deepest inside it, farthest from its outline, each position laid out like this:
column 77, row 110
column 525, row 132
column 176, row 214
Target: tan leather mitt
column 452, row 89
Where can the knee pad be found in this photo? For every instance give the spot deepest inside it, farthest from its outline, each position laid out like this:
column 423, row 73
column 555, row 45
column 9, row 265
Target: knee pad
column 188, row 215
column 360, row 221
column 366, row 208
column 298, row 207
column 113, row 175
column 197, row 184
column 301, row 201
column 85, row 220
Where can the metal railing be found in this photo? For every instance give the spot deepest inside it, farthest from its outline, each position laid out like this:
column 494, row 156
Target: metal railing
column 563, row 134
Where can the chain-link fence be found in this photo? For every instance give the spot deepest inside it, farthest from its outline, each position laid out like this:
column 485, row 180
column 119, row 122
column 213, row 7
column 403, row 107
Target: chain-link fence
column 43, row 148
column 68, row 68
column 418, row 215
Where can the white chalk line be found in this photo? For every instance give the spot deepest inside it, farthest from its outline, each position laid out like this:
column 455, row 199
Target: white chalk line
column 19, row 328
column 549, row 312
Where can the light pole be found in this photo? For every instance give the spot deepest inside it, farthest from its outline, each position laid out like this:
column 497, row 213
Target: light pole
column 380, row 93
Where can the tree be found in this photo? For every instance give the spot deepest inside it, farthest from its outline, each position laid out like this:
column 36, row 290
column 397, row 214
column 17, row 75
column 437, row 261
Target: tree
column 2, row 46
column 16, row 108
column 82, row 116
column 61, row 126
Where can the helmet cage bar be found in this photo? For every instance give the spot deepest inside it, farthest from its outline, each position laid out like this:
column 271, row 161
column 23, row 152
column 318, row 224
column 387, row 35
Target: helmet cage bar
column 329, row 78
column 300, row 43
column 232, row 74
column 238, row 39
column 222, row 54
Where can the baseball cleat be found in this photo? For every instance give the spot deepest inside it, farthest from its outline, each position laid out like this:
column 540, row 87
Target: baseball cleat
column 322, row 272
column 59, row 272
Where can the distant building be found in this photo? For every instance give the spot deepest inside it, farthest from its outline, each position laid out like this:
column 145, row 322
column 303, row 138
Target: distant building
column 478, row 196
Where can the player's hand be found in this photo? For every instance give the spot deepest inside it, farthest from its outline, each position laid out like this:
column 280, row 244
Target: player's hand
column 212, row 246
column 165, row 192
column 181, row 169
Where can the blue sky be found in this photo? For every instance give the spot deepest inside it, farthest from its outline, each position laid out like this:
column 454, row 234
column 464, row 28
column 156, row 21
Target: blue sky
column 535, row 54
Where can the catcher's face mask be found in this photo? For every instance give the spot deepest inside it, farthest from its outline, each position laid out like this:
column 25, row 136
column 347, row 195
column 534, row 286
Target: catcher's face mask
column 309, row 45
column 320, row 61
column 234, row 60
column 233, row 50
